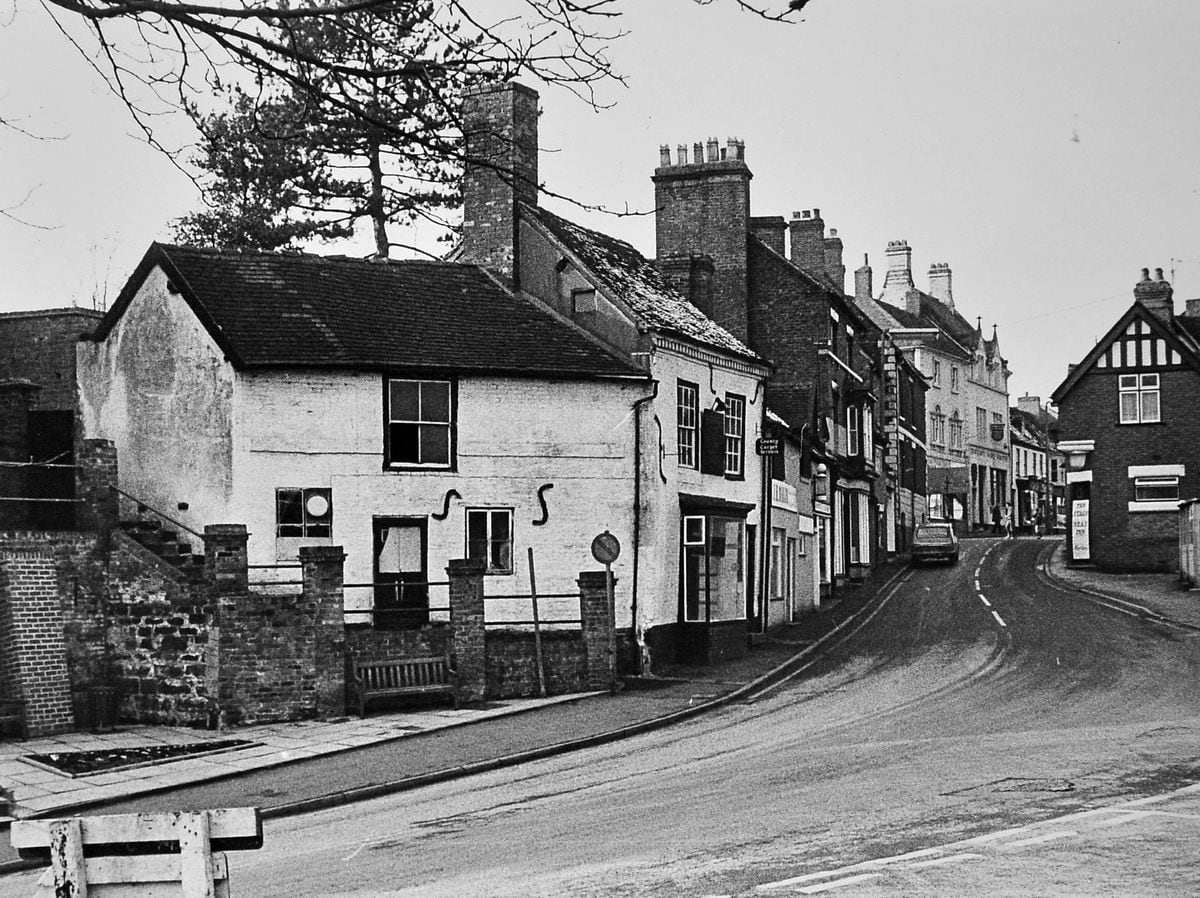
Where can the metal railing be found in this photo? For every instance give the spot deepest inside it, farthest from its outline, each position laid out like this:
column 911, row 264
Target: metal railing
column 553, row 621
column 266, row 584
column 398, row 605
column 143, row 507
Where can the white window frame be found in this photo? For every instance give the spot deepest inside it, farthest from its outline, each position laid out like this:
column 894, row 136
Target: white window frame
column 735, row 434
column 490, row 515
column 687, row 424
column 853, row 430
column 1140, row 388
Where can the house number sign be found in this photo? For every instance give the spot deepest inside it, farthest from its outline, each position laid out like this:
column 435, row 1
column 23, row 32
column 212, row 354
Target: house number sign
column 606, row 548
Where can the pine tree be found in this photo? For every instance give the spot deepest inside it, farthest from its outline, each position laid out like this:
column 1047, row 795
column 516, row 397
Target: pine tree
column 284, row 170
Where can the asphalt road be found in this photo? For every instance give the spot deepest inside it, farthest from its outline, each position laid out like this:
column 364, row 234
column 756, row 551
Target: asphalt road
column 984, row 732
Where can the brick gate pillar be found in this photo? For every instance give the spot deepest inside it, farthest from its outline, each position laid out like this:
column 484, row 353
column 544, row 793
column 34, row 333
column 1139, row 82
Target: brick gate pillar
column 322, row 572
column 95, row 486
column 16, row 398
column 466, row 625
column 599, row 638
column 225, row 558
column 34, row 645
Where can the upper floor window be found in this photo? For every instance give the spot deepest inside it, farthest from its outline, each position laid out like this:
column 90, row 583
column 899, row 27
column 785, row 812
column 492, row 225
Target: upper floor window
column 835, row 326
column 490, row 538
column 953, row 378
column 981, row 424
column 420, row 423
column 868, row 432
column 937, row 373
column 956, row 431
column 937, row 426
column 853, row 430
column 1139, row 397
column 305, row 513
column 735, row 434
column 687, row 423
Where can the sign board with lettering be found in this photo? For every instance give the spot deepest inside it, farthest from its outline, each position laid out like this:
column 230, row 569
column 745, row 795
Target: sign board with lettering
column 1081, row 549
column 768, row 446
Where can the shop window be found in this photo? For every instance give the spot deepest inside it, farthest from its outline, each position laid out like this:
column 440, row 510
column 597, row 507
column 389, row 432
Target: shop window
column 304, row 513
column 490, row 538
column 711, row 576
column 778, row 569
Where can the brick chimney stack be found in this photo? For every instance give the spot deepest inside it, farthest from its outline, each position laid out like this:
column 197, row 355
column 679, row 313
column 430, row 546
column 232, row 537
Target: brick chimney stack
column 771, row 230
column 808, row 240
column 1155, row 295
column 834, row 267
column 899, row 268
column 703, row 208
column 500, row 126
column 864, row 287
column 939, row 284
column 1031, row 405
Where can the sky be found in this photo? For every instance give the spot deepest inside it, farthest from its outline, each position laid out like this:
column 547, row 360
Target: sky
column 1047, row 151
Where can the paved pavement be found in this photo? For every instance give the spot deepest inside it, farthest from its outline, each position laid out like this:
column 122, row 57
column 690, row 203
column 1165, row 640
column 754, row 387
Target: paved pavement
column 291, row 768
column 1156, row 596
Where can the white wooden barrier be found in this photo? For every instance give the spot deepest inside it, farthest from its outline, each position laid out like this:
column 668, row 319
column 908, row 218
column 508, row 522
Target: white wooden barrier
column 122, row 855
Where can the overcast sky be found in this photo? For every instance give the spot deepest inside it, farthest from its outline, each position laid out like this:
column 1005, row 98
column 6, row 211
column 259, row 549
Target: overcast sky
column 1046, row 150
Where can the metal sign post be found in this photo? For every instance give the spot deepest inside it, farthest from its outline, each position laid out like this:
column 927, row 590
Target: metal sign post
column 606, row 548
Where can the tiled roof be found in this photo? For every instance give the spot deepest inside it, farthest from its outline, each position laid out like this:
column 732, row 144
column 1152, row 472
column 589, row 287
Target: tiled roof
column 276, row 309
column 634, row 280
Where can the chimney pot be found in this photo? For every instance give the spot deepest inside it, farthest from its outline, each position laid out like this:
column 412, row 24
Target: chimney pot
column 1145, row 274
column 682, row 154
column 697, row 152
column 664, row 155
column 711, row 146
column 833, row 232
column 1158, row 275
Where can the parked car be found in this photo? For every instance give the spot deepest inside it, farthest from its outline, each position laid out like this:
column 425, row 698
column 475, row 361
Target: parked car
column 933, row 541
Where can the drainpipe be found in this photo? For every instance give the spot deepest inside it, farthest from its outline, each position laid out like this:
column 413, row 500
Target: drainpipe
column 637, row 512
column 764, row 586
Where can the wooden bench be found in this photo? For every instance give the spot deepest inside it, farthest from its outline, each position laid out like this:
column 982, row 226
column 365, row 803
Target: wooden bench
column 430, row 675
column 12, row 711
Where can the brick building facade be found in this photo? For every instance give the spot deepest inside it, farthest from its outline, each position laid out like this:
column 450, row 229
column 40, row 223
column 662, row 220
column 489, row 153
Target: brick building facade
column 1129, row 425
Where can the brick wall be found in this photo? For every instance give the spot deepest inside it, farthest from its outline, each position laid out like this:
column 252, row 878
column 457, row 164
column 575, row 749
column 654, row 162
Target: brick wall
column 511, row 663
column 31, row 637
column 40, row 346
column 1121, row 540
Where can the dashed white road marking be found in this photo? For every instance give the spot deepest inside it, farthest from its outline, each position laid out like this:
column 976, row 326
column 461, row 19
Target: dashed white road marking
column 1045, row 837
column 952, row 859
column 838, row 883
column 983, row 599
column 998, row 618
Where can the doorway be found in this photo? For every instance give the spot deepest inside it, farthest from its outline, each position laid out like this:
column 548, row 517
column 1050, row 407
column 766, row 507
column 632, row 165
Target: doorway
column 401, row 577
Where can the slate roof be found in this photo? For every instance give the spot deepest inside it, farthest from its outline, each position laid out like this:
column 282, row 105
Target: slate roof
column 298, row 310
column 631, row 278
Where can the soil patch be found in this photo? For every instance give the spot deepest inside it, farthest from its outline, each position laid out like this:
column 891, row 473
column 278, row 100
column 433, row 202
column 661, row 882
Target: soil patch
column 87, row 763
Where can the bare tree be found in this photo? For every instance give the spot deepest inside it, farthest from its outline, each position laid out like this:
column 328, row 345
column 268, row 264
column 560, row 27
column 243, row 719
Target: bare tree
column 166, row 55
